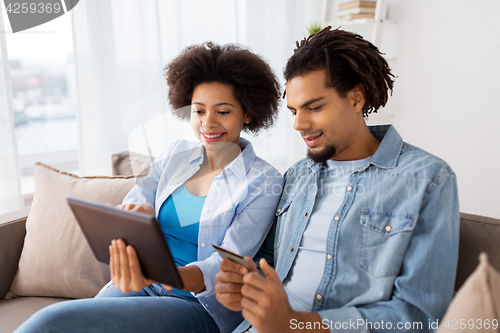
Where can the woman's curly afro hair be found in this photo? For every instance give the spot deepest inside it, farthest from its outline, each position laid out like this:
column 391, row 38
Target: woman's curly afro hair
column 254, row 84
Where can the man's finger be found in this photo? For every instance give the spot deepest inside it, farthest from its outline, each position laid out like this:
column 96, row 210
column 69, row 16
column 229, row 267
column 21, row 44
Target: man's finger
column 253, row 293
column 223, row 288
column 250, row 309
column 252, row 267
column 227, row 265
column 229, row 277
column 270, row 272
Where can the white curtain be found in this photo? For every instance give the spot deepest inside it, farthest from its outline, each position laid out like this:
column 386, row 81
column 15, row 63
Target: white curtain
column 121, row 47
column 10, row 192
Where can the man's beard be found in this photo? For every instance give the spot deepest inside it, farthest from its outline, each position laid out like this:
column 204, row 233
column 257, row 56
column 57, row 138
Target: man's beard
column 323, row 155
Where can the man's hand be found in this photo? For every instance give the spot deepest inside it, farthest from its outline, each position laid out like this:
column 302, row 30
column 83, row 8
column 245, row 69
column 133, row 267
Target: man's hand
column 125, row 269
column 229, row 282
column 139, row 207
column 265, row 303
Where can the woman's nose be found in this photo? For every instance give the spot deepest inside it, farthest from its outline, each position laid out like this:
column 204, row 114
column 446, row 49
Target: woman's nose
column 210, row 119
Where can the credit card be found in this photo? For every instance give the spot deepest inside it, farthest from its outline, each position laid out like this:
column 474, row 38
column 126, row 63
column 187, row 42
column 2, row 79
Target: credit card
column 231, row 255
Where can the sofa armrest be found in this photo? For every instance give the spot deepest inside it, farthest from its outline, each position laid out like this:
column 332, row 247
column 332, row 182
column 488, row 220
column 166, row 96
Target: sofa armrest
column 477, row 234
column 12, row 232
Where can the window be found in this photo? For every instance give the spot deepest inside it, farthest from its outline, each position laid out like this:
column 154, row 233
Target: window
column 43, row 97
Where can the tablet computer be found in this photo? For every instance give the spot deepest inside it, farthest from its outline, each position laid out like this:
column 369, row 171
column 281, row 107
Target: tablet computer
column 102, row 223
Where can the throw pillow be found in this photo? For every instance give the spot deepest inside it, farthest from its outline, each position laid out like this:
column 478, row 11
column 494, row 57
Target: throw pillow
column 476, row 306
column 56, row 260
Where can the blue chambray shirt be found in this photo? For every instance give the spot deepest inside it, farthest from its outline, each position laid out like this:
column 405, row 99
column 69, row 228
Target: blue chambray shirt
column 237, row 214
column 392, row 247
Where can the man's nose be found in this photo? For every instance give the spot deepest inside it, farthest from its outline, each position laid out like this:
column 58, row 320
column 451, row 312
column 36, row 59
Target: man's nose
column 301, row 121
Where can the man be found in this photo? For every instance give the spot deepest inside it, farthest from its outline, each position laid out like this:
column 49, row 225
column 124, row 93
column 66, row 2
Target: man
column 366, row 230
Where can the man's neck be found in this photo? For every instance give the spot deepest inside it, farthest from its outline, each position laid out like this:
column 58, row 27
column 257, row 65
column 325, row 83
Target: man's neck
column 363, row 146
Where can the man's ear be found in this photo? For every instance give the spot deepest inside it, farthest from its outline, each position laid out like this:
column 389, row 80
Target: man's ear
column 358, row 97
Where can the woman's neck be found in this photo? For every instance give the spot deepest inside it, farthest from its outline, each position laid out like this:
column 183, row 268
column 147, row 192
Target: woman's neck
column 219, row 155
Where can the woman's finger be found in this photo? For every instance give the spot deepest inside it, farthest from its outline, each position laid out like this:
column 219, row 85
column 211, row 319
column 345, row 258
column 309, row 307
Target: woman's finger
column 115, row 263
column 111, row 266
column 138, row 280
column 124, row 268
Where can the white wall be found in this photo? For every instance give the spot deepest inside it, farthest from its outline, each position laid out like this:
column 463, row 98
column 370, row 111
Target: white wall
column 446, row 94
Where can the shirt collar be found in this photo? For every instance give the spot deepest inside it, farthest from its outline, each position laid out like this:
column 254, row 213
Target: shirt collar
column 388, row 152
column 239, row 166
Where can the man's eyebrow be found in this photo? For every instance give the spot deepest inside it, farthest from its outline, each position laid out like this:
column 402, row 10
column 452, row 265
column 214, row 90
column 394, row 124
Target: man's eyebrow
column 309, row 102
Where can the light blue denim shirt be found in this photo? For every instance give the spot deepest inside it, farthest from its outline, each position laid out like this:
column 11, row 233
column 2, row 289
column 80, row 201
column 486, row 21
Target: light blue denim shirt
column 392, row 247
column 237, row 214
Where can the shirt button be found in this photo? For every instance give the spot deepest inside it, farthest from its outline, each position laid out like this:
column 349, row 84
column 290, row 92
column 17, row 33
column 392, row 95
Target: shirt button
column 349, row 188
column 292, row 249
column 279, row 210
column 319, row 297
column 206, row 305
column 306, row 214
column 388, row 228
column 337, row 218
column 329, row 257
column 202, row 244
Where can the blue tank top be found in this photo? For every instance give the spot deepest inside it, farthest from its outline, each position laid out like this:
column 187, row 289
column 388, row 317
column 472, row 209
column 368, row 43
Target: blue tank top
column 179, row 219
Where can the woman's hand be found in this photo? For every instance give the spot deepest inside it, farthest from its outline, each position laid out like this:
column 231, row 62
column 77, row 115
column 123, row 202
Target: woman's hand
column 125, row 269
column 140, row 207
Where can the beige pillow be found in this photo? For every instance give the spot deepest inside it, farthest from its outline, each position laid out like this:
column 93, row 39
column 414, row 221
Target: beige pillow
column 476, row 306
column 56, row 260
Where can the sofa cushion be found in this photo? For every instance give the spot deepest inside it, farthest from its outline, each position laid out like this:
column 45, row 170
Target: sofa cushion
column 476, row 306
column 16, row 311
column 129, row 163
column 56, row 260
column 477, row 234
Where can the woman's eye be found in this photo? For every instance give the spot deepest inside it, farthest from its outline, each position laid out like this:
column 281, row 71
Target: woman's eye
column 197, row 111
column 223, row 112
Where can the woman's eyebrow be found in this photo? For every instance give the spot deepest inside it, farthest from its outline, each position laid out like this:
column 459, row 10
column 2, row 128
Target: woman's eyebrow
column 218, row 104
column 224, row 103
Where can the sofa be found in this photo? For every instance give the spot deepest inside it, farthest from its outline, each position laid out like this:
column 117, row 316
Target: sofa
column 477, row 234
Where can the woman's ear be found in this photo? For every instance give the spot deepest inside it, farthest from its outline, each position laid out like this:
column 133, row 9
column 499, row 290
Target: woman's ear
column 248, row 119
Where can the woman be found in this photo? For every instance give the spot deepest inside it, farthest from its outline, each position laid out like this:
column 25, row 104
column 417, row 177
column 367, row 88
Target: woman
column 214, row 190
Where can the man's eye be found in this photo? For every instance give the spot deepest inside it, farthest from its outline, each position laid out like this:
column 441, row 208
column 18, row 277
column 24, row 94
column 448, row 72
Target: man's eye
column 316, row 108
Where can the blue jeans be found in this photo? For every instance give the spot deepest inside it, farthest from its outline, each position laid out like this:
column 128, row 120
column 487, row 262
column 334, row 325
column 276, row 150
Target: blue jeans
column 152, row 309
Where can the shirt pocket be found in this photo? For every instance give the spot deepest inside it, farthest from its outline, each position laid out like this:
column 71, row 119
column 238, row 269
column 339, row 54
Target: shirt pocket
column 281, row 212
column 385, row 238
